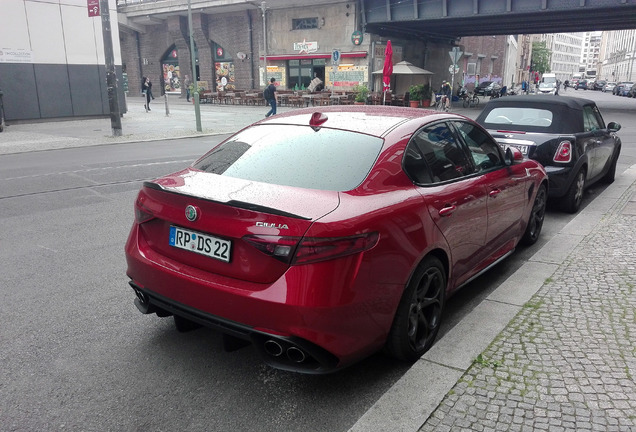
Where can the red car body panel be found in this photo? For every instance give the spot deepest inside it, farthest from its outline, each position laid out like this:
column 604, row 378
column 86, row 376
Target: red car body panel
column 343, row 306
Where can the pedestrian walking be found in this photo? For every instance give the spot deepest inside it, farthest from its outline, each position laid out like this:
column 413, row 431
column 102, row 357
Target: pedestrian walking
column 186, row 83
column 270, row 97
column 146, row 90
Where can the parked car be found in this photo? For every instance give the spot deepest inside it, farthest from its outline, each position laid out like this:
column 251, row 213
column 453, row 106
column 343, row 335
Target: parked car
column 486, row 88
column 620, row 86
column 625, row 88
column 609, row 86
column 581, row 84
column 566, row 135
column 632, row 91
column 323, row 237
column 599, row 84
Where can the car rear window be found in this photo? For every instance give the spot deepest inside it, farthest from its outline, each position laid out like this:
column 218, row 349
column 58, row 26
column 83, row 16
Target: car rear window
column 298, row 156
column 528, row 116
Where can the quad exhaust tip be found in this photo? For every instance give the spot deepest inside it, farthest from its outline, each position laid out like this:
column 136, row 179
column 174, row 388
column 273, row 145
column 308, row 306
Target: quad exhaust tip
column 293, row 353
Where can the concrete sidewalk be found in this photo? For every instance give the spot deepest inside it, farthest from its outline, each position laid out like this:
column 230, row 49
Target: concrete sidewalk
column 552, row 348
column 137, row 125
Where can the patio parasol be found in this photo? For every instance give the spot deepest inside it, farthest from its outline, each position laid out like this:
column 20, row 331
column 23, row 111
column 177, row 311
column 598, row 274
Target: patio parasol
column 387, row 71
column 406, row 69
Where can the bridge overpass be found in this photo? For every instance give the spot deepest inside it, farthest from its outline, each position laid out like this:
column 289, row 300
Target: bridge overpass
column 450, row 19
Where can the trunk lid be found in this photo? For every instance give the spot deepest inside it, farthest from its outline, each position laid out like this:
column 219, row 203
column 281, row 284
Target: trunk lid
column 223, row 211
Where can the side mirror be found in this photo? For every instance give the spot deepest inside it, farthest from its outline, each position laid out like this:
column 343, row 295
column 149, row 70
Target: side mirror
column 513, row 154
column 614, row 127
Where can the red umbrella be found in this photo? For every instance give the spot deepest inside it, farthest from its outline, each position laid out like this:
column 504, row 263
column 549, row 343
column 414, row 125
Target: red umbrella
column 388, row 67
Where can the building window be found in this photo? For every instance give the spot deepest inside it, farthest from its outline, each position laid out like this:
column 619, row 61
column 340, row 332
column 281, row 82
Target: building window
column 304, row 23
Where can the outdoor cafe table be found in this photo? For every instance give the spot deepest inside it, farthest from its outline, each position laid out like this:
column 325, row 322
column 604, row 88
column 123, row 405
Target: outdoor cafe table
column 337, row 97
column 309, row 98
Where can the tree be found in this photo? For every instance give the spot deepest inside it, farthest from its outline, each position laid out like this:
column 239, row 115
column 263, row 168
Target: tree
column 540, row 57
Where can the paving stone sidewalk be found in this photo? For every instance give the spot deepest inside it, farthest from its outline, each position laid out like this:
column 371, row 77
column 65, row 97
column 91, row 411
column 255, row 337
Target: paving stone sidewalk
column 567, row 361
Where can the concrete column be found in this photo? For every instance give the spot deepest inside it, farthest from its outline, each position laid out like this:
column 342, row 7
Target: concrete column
column 178, row 30
column 204, row 46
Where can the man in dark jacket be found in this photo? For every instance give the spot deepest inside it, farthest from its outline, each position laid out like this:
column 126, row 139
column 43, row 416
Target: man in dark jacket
column 270, row 97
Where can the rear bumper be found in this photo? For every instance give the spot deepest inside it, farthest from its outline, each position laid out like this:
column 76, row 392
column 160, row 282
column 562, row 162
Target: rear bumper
column 301, row 322
column 560, row 179
column 287, row 353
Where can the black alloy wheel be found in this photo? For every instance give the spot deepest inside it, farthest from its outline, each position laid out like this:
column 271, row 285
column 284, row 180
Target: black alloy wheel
column 574, row 196
column 537, row 215
column 419, row 313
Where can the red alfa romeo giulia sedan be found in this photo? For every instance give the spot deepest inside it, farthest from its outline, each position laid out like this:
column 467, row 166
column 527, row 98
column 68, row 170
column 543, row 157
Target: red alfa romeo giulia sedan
column 323, row 237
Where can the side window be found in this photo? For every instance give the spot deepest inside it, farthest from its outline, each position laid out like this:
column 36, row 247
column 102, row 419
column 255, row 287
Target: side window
column 484, row 150
column 590, row 120
column 434, row 155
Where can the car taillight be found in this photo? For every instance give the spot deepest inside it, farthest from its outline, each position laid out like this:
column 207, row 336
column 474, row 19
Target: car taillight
column 142, row 214
column 564, row 152
column 299, row 250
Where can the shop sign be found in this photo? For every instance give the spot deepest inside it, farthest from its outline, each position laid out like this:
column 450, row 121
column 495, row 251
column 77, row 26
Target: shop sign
column 356, row 37
column 305, row 47
column 8, row 55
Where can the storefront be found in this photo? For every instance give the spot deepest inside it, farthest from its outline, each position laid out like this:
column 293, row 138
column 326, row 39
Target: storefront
column 295, row 71
column 223, row 70
column 171, row 77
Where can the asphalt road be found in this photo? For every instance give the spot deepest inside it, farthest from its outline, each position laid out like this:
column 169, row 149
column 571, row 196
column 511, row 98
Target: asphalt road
column 77, row 355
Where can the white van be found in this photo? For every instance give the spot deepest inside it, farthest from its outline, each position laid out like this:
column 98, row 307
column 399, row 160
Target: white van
column 549, row 78
column 548, row 84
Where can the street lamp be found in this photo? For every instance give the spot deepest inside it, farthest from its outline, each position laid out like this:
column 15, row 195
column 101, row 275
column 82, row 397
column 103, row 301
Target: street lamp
column 263, row 8
column 197, row 108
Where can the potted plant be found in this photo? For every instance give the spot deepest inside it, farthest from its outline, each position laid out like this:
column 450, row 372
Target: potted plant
column 361, row 94
column 427, row 94
column 415, row 95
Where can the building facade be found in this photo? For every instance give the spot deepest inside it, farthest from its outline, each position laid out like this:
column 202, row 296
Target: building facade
column 52, row 59
column 619, row 55
column 242, row 49
column 591, row 54
column 566, row 51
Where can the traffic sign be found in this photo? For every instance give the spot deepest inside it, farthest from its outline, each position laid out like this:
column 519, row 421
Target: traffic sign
column 453, row 69
column 455, row 54
column 93, row 8
column 335, row 57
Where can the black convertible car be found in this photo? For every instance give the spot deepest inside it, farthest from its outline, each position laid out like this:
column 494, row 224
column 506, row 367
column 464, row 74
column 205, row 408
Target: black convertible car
column 566, row 135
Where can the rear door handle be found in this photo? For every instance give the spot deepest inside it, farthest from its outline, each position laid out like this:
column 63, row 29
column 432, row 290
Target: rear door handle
column 447, row 211
column 493, row 193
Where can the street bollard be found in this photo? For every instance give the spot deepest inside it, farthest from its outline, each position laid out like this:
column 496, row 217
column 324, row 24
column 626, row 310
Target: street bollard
column 165, row 101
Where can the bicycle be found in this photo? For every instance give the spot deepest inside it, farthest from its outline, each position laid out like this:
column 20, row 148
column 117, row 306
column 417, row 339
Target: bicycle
column 470, row 100
column 441, row 103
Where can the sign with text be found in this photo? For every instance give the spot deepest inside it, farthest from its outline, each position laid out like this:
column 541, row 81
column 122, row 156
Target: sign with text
column 10, row 55
column 93, row 8
column 305, row 47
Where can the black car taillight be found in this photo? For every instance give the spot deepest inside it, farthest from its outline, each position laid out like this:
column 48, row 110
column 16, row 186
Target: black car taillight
column 564, row 152
column 142, row 214
column 299, row 250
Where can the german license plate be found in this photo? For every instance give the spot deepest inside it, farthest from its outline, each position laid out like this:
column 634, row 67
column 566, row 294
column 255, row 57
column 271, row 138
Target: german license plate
column 200, row 243
column 522, row 148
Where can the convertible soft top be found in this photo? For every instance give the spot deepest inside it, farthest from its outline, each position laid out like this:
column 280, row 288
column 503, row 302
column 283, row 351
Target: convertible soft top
column 566, row 113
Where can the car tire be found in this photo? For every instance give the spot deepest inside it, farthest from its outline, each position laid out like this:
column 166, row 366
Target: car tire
column 611, row 173
column 574, row 196
column 537, row 216
column 184, row 325
column 419, row 313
